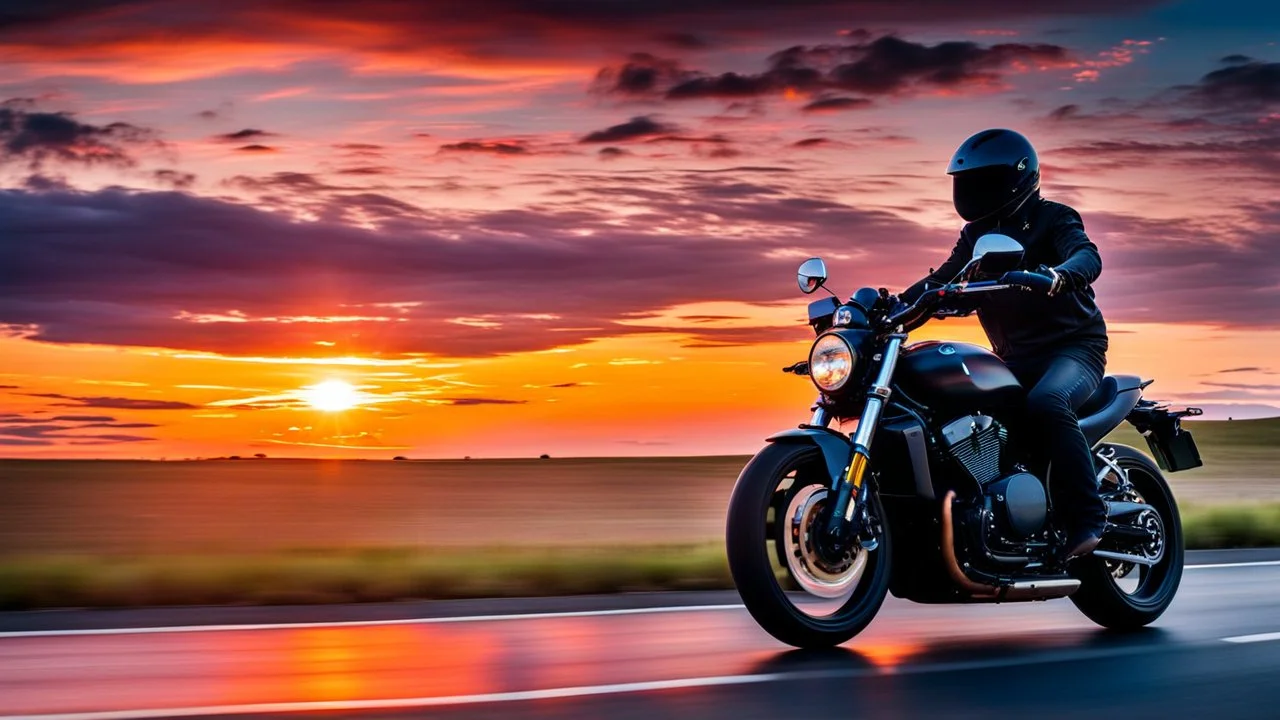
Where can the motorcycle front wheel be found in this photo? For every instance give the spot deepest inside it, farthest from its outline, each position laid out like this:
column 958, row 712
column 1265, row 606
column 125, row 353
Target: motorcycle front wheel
column 796, row 595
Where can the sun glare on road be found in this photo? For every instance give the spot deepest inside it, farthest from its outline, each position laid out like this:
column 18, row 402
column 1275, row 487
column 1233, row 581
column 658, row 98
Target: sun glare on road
column 331, row 396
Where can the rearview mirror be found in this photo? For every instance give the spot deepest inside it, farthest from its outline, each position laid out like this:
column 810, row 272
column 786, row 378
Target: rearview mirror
column 813, row 273
column 995, row 253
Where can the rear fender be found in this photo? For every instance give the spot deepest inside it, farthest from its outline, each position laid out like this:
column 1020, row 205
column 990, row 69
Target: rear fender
column 835, row 447
column 1117, row 451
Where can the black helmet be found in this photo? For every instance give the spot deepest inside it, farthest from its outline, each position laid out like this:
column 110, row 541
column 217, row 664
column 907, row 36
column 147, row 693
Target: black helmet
column 993, row 173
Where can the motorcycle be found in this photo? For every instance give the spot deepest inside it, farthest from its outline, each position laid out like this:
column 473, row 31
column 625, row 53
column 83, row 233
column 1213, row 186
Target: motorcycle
column 938, row 496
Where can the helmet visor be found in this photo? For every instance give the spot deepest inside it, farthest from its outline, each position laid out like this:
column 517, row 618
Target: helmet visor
column 981, row 192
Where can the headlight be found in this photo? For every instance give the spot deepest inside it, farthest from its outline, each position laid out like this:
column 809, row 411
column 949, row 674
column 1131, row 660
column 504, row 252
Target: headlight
column 831, row 362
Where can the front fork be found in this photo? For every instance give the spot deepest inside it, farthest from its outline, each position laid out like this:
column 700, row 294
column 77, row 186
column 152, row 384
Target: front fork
column 849, row 490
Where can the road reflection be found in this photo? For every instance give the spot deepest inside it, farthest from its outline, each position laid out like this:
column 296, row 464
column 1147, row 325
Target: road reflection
column 336, row 664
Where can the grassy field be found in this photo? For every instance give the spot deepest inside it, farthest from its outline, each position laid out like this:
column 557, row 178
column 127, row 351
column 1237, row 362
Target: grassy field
column 103, row 533
column 227, row 507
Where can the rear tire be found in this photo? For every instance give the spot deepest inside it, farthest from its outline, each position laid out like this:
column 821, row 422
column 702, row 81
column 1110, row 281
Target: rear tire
column 747, row 536
column 1100, row 598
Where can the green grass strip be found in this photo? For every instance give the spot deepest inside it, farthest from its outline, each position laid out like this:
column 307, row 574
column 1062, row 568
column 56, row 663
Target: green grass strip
column 388, row 574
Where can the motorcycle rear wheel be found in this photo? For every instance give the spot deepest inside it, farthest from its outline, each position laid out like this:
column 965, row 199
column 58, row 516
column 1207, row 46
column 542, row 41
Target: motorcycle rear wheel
column 1102, row 597
column 762, row 510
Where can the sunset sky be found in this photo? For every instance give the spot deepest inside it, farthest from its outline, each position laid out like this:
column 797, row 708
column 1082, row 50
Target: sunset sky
column 499, row 228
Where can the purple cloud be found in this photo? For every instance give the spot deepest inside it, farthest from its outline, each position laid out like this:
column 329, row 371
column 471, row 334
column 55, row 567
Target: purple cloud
column 115, row 402
column 410, row 289
column 33, row 431
column 244, row 135
column 40, row 137
column 634, row 129
column 888, row 65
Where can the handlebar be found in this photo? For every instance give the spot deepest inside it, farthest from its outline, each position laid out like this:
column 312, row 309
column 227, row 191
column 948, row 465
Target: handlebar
column 912, row 315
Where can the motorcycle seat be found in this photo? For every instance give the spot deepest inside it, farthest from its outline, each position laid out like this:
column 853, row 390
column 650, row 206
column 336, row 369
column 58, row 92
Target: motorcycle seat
column 1115, row 397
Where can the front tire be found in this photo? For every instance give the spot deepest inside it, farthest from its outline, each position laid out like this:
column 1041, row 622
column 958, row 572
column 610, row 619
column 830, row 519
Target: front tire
column 780, row 472
column 1101, row 597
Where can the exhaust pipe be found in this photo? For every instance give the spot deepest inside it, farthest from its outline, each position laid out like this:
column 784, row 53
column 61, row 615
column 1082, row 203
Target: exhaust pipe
column 977, row 590
column 1041, row 589
column 1126, row 557
column 1020, row 590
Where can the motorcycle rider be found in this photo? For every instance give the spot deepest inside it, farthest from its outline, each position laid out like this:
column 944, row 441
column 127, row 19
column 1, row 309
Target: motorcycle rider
column 1055, row 342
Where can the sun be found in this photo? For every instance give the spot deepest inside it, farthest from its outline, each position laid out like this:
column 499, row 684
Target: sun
column 331, row 396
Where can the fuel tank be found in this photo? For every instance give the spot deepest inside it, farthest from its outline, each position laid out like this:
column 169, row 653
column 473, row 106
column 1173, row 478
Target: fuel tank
column 956, row 377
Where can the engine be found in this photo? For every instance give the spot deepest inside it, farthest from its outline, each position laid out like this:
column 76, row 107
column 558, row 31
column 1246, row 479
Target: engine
column 977, row 443
column 1015, row 501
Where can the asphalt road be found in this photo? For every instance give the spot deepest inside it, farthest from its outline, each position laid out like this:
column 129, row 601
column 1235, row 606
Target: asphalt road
column 1215, row 653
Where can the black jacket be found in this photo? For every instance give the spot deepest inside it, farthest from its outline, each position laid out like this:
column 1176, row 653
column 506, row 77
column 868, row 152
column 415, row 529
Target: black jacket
column 1022, row 325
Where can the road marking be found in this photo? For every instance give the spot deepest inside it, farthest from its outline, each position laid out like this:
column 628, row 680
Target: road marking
column 576, row 691
column 365, row 623
column 442, row 620
column 1260, row 563
column 1262, row 637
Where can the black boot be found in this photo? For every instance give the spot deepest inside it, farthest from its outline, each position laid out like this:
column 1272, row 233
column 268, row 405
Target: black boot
column 1083, row 538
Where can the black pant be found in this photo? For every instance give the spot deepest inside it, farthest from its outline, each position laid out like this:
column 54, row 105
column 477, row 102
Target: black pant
column 1057, row 385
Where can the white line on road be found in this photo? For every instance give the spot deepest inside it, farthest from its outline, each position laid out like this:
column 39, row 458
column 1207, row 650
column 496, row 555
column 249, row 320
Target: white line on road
column 1262, row 637
column 1260, row 563
column 441, row 620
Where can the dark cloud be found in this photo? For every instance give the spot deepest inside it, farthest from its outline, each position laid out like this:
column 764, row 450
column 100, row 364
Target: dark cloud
column 367, row 170
column 256, row 149
column 1224, row 154
column 174, row 178
column 114, row 403
column 364, row 150
column 1241, row 370
column 642, row 74
column 36, row 431
column 719, row 153
column 1246, row 86
column 710, row 318
column 244, row 135
column 40, row 137
column 683, row 41
column 208, row 115
column 715, row 139
column 612, row 153
column 837, row 104
column 887, row 65
column 468, row 401
column 567, row 385
column 496, row 28
column 490, row 147
column 1064, row 112
column 1255, row 387
column 82, row 266
column 45, row 182
column 728, row 85
column 22, row 15
column 1236, row 60
column 636, row 128
column 9, row 387
column 893, row 65
column 811, row 142
column 1229, row 262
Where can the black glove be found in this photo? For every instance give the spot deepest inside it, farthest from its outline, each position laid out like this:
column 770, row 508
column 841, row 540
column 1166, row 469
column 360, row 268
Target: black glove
column 1038, row 282
column 1059, row 280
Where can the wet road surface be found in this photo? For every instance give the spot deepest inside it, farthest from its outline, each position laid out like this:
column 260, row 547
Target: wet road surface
column 669, row 655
